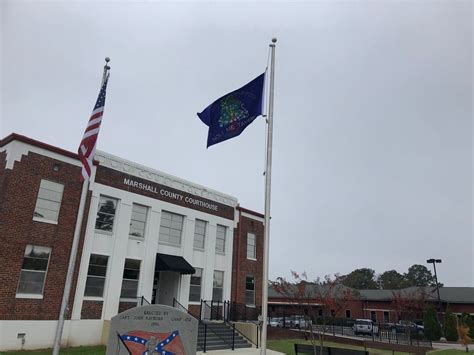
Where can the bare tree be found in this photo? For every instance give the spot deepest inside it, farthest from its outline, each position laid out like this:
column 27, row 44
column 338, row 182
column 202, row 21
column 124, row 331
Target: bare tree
column 409, row 305
column 309, row 298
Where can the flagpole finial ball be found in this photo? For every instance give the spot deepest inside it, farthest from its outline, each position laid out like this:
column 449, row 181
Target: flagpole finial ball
column 274, row 39
column 107, row 59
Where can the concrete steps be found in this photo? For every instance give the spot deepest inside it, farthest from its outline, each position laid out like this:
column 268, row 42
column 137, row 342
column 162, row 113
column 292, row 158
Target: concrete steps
column 219, row 336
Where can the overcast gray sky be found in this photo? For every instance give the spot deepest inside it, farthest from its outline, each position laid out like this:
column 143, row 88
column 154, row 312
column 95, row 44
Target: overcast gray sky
column 373, row 154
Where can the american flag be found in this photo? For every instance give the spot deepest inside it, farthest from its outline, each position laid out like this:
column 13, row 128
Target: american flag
column 87, row 147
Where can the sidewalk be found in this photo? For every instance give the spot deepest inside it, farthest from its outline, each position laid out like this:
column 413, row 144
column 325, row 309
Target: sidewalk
column 249, row 351
column 446, row 346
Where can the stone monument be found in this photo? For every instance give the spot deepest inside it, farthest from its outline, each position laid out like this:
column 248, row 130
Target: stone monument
column 154, row 329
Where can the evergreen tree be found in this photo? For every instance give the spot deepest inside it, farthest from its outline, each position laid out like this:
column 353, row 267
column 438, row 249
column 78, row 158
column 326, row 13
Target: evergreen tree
column 469, row 322
column 419, row 275
column 450, row 326
column 361, row 279
column 432, row 326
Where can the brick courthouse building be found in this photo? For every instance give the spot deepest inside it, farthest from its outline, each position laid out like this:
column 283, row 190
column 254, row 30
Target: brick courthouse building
column 145, row 234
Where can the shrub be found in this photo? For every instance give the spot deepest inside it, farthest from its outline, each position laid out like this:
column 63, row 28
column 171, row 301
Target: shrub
column 468, row 322
column 450, row 326
column 431, row 324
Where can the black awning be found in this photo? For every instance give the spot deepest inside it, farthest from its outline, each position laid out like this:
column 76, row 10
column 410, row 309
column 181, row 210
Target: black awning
column 165, row 262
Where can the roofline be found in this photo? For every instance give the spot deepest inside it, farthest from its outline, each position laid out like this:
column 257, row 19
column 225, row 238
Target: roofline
column 18, row 137
column 246, row 210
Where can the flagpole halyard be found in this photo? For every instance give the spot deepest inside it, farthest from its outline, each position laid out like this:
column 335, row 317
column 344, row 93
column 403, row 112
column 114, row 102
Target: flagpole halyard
column 268, row 177
column 75, row 246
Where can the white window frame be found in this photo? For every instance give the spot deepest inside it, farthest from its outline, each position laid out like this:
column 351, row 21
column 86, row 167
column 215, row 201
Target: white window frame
column 203, row 235
column 200, row 286
column 221, row 287
column 137, row 280
column 247, row 290
column 223, row 239
column 254, row 249
column 41, row 191
column 160, row 234
column 90, row 297
column 144, row 222
column 101, row 231
column 33, row 295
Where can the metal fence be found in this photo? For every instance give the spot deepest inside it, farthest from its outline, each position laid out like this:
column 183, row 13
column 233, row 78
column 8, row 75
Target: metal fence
column 383, row 332
column 228, row 311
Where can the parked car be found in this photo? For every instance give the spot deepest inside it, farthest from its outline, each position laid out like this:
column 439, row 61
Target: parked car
column 299, row 322
column 405, row 326
column 275, row 322
column 365, row 326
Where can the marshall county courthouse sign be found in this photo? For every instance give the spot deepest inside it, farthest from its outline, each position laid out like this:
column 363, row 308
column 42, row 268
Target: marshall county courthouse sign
column 152, row 189
column 154, row 329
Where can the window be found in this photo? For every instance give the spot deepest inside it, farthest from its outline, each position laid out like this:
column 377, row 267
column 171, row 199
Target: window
column 251, row 246
column 195, row 288
column 320, row 312
column 106, row 214
column 49, row 199
column 373, row 315
column 171, row 228
column 199, row 233
column 220, row 239
column 96, row 275
column 138, row 221
column 131, row 275
column 218, row 285
column 250, row 291
column 33, row 270
column 333, row 312
column 348, row 313
column 386, row 317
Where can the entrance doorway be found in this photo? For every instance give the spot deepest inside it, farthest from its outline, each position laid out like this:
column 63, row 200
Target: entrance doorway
column 166, row 287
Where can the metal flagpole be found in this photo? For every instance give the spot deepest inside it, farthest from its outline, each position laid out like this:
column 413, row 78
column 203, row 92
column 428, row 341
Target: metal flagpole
column 75, row 245
column 268, row 181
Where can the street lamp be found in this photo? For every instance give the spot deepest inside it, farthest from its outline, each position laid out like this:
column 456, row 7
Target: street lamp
column 434, row 262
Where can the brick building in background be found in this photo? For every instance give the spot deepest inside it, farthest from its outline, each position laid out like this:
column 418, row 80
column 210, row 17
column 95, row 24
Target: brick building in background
column 146, row 235
column 381, row 306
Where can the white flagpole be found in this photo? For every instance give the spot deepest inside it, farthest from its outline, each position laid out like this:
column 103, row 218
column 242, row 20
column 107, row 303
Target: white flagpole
column 268, row 182
column 72, row 257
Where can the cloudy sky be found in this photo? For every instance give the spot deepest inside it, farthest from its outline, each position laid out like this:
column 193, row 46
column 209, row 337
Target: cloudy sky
column 373, row 131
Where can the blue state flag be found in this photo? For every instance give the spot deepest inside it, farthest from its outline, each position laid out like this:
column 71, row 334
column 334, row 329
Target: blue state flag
column 228, row 116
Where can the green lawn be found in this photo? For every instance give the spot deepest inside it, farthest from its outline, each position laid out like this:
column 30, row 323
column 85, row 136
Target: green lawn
column 451, row 352
column 92, row 350
column 287, row 347
column 284, row 346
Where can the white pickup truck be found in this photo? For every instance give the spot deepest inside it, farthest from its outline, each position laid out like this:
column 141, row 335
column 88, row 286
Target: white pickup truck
column 365, row 326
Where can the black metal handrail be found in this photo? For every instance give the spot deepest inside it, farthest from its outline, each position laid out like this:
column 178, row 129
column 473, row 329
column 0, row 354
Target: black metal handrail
column 230, row 310
column 217, row 335
column 178, row 305
column 218, row 310
column 238, row 311
column 142, row 301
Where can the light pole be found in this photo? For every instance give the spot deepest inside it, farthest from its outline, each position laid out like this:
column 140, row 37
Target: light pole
column 434, row 262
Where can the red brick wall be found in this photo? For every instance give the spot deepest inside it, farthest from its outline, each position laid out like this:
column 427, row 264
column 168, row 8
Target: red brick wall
column 91, row 310
column 195, row 310
column 241, row 266
column 123, row 306
column 460, row 308
column 18, row 192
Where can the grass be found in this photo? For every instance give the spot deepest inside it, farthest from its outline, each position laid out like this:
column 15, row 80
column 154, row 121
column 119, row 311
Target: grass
column 283, row 346
column 90, row 350
column 450, row 352
column 287, row 347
